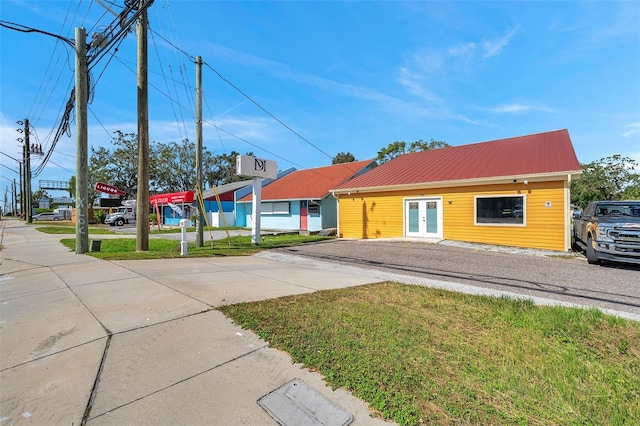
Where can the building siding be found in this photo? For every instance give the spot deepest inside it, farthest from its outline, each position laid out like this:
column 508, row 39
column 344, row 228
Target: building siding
column 291, row 221
column 381, row 215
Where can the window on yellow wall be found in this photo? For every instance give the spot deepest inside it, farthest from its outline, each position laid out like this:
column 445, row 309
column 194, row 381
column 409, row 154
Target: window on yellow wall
column 502, row 210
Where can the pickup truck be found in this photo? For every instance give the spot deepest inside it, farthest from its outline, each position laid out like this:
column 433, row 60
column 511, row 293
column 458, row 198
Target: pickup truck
column 608, row 230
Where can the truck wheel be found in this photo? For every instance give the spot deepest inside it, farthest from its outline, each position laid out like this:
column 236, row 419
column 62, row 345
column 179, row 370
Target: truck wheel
column 592, row 256
column 119, row 222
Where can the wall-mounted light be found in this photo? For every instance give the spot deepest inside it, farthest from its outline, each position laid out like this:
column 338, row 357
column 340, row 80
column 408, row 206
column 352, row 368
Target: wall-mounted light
column 526, row 182
column 450, row 201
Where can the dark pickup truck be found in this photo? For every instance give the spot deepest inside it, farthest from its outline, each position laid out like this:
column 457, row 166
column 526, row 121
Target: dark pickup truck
column 608, row 230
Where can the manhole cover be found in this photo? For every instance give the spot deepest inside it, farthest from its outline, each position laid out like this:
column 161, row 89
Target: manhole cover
column 296, row 403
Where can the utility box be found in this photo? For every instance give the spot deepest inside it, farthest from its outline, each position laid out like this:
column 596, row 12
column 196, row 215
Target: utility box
column 95, row 245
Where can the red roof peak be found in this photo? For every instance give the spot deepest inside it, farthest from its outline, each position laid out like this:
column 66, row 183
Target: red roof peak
column 311, row 184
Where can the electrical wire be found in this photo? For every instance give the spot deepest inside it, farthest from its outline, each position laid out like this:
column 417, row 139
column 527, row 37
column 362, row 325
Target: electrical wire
column 99, row 122
column 166, row 83
column 265, row 110
column 255, row 146
column 250, row 99
column 63, row 168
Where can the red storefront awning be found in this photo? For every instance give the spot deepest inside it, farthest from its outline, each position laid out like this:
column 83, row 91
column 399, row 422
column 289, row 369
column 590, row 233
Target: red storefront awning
column 173, row 198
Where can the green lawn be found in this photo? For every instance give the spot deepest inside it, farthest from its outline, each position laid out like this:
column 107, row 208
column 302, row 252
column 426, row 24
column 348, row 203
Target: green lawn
column 419, row 355
column 68, row 229
column 125, row 248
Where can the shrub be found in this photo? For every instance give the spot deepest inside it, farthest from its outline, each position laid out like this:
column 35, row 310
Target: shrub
column 100, row 215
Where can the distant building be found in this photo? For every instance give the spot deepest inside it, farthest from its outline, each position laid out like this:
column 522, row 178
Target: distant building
column 300, row 200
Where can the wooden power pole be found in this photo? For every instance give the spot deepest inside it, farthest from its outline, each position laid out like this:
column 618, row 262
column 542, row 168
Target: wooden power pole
column 142, row 203
column 82, row 136
column 199, row 228
column 27, row 174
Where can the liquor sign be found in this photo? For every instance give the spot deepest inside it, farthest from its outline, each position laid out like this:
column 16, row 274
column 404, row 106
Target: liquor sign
column 107, row 189
column 256, row 167
column 173, row 198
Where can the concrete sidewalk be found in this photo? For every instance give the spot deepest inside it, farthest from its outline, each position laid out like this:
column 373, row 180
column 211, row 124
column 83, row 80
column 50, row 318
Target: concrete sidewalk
column 89, row 341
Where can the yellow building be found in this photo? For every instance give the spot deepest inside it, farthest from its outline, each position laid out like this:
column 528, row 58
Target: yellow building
column 512, row 192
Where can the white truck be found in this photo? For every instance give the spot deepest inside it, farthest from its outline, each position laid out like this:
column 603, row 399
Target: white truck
column 125, row 214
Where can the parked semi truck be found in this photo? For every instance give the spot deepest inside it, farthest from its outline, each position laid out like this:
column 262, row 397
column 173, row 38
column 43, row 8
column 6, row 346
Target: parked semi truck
column 608, row 230
column 125, row 214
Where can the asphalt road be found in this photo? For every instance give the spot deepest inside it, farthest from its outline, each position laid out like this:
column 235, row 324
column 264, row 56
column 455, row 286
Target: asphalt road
column 561, row 278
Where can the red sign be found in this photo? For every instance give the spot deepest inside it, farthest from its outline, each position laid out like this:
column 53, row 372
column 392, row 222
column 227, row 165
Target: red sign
column 173, row 198
column 107, row 189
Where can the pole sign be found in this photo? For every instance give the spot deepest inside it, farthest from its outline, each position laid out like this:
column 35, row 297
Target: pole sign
column 107, row 189
column 256, row 167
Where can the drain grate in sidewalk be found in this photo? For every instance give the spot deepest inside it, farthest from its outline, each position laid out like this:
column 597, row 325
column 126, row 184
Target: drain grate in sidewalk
column 296, row 403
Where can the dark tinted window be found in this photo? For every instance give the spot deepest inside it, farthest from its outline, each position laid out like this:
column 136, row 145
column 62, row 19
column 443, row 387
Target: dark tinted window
column 501, row 210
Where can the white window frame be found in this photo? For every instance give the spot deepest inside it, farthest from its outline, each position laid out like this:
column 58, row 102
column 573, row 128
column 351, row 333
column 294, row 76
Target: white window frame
column 316, row 205
column 281, row 208
column 524, row 210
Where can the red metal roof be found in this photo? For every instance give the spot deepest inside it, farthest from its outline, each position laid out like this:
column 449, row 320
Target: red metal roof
column 542, row 153
column 310, row 184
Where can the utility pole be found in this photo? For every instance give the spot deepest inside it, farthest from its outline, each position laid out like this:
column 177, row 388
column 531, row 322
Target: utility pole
column 27, row 173
column 15, row 199
column 199, row 233
column 142, row 203
column 21, row 188
column 82, row 136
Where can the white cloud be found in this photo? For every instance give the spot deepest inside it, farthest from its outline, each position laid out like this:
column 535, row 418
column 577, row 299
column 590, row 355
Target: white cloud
column 416, row 83
column 463, row 49
column 493, row 48
column 634, row 130
column 518, row 107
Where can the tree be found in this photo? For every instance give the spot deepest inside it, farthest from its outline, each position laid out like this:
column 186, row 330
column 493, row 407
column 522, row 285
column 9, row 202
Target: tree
column 610, row 178
column 391, row 151
column 120, row 166
column 172, row 166
column 222, row 169
column 397, row 148
column 343, row 157
column 421, row 145
column 72, row 187
column 175, row 166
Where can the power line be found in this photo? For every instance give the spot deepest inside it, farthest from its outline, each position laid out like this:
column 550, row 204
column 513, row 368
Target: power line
column 175, row 115
column 255, row 146
column 193, row 58
column 63, row 168
column 249, row 98
column 99, row 122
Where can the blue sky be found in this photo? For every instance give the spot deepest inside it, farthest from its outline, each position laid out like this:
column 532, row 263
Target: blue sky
column 344, row 76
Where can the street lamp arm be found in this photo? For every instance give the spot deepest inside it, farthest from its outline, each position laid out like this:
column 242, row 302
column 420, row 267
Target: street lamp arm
column 25, row 29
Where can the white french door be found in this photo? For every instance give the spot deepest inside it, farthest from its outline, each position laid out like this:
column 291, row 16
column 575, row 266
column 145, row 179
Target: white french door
column 423, row 217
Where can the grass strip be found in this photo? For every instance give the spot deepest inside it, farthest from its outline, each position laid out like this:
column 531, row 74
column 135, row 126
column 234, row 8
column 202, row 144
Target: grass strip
column 159, row 248
column 69, row 230
column 420, row 355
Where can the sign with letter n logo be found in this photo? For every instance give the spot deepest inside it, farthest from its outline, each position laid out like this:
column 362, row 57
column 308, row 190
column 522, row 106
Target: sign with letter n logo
column 256, row 167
